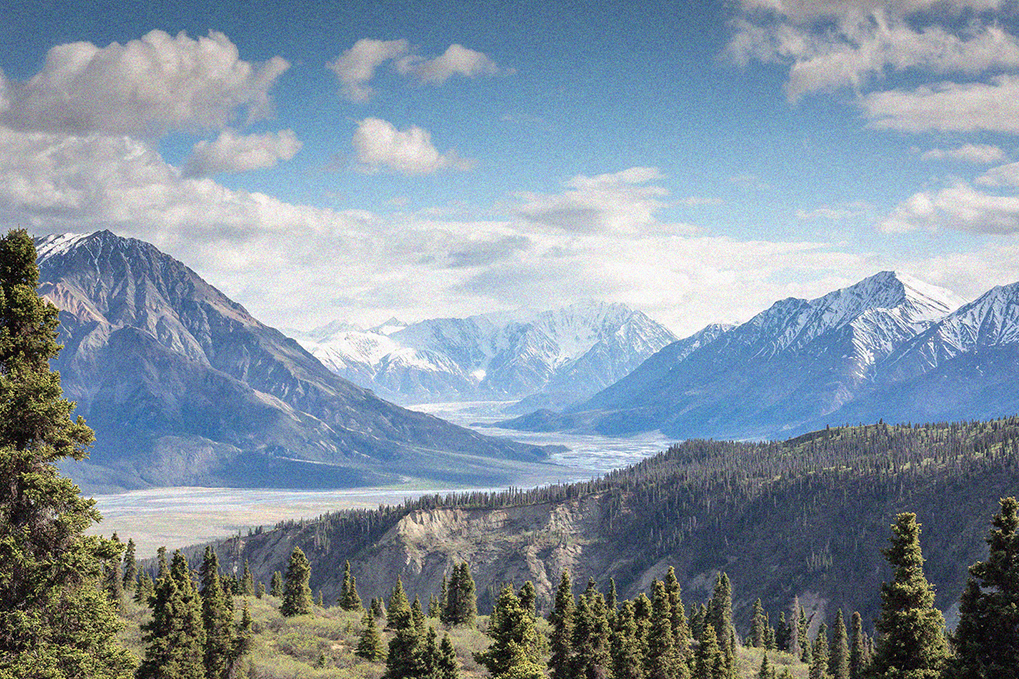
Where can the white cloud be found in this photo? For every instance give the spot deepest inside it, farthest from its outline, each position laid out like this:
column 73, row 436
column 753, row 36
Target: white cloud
column 356, row 67
column 948, row 107
column 978, row 154
column 959, row 207
column 620, row 202
column 379, row 145
column 144, row 87
column 231, row 152
column 457, row 60
column 1003, row 175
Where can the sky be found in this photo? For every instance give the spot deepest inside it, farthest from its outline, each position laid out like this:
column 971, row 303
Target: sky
column 323, row 161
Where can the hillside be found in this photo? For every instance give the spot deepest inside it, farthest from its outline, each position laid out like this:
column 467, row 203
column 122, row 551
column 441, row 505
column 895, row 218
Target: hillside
column 805, row 517
column 184, row 387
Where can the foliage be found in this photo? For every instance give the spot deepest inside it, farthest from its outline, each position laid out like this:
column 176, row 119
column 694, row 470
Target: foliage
column 175, row 636
column 296, row 592
column 54, row 622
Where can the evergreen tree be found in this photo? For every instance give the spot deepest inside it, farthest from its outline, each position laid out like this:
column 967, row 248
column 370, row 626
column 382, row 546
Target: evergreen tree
column 782, row 633
column 130, row 566
column 838, row 655
column 398, row 608
column 516, row 646
column 664, row 660
column 369, row 645
column 680, row 629
column 434, row 607
column 612, row 598
column 146, row 588
column 320, row 601
column 260, row 591
column 987, row 637
column 217, row 618
column 819, row 659
column 769, row 634
column 377, row 608
column 446, row 664
column 113, row 579
column 857, row 649
column 766, row 671
column 461, row 598
column 242, row 640
column 720, row 609
column 529, row 598
column 592, row 655
column 296, row 592
column 758, row 625
column 561, row 618
column 912, row 642
column 247, row 581
column 803, row 636
column 709, row 662
column 628, row 650
column 175, row 636
column 54, row 621
column 276, row 584
column 349, row 598
column 405, row 658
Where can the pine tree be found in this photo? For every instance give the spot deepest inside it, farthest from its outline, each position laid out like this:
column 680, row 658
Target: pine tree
column 561, row 618
column 664, row 660
column 349, row 598
column 217, row 618
column 461, row 598
column 113, row 578
column 803, row 636
column 766, row 671
column 242, row 640
column 54, row 621
column 758, row 625
column 782, row 633
column 857, row 649
column 296, row 592
column 377, row 608
column 369, row 645
column 260, row 591
column 404, row 659
column 529, row 597
column 987, row 637
column 819, row 660
column 838, row 656
column 720, row 609
column 276, row 584
column 592, row 656
column 516, row 646
column 247, row 581
column 146, row 587
column 709, row 662
column 399, row 607
column 130, row 567
column 175, row 636
column 627, row 648
column 680, row 629
column 446, row 664
column 912, row 642
column 612, row 598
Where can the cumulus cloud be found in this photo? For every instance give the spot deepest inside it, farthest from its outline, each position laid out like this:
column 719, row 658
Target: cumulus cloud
column 232, row 152
column 624, row 201
column 144, row 87
column 457, row 60
column 948, row 107
column 959, row 207
column 978, row 154
column 356, row 67
column 379, row 145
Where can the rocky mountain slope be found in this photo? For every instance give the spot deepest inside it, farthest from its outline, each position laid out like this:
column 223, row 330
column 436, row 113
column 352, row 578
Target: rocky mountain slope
column 184, row 387
column 795, row 366
column 807, row 517
column 549, row 358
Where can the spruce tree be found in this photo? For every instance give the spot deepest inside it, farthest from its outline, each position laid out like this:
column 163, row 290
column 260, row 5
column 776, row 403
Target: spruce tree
column 175, row 636
column 516, row 645
column 709, row 662
column 399, row 607
column 720, row 609
column 218, row 619
column 529, row 597
column 54, row 621
column 782, row 633
column 446, row 664
column 369, row 645
column 987, row 637
column 680, row 628
column 461, row 598
column 130, row 566
column 404, row 659
column 113, row 578
column 803, row 636
column 819, row 659
column 766, row 671
column 296, row 592
column 592, row 651
column 912, row 642
column 838, row 655
column 627, row 647
column 260, row 591
column 276, row 584
column 561, row 619
column 758, row 625
column 664, row 660
column 857, row 649
column 349, row 598
column 145, row 588
column 247, row 581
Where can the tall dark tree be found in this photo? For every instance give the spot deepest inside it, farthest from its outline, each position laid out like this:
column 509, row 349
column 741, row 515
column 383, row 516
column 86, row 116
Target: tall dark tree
column 987, row 637
column 720, row 609
column 461, row 597
column 664, row 660
column 405, row 659
column 113, row 577
column 218, row 619
column 349, row 598
column 592, row 657
column 130, row 566
column 680, row 628
column 562, row 622
column 54, row 621
column 858, row 656
column 175, row 636
column 819, row 659
column 838, row 654
column 296, row 592
column 399, row 607
column 783, row 636
column 529, row 598
column 446, row 664
column 758, row 625
column 628, row 650
column 247, row 581
column 709, row 662
column 912, row 642
column 369, row 645
column 803, row 635
column 516, row 645
column 276, row 584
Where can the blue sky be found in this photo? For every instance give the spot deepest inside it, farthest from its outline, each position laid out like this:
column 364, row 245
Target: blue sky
column 356, row 161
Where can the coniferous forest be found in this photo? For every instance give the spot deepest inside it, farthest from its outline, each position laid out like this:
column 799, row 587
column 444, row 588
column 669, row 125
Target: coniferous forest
column 885, row 526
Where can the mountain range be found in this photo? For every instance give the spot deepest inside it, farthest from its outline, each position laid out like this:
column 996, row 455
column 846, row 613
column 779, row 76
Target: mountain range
column 547, row 359
column 889, row 347
column 184, row 387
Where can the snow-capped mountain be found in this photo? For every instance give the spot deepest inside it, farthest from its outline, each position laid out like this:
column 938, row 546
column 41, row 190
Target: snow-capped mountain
column 184, row 387
column 557, row 356
column 794, row 363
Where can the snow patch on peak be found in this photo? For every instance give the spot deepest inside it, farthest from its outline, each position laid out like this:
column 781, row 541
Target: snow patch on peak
column 49, row 246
